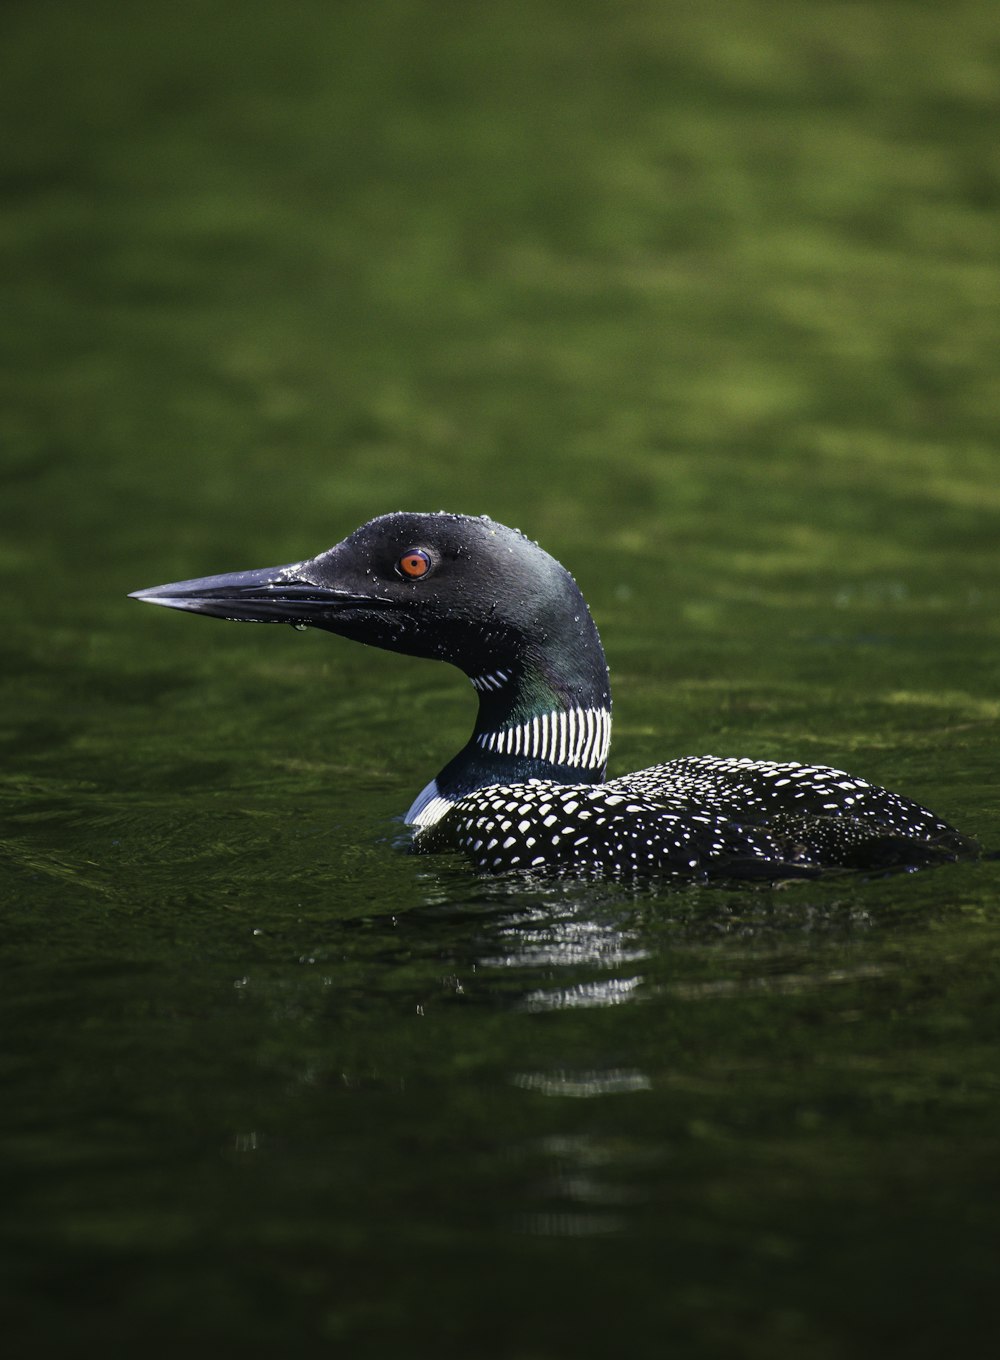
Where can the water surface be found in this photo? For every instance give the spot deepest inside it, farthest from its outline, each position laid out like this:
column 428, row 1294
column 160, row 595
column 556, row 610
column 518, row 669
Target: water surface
column 710, row 309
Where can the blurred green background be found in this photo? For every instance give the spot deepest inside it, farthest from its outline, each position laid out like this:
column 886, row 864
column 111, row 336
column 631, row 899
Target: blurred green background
column 706, row 299
column 605, row 269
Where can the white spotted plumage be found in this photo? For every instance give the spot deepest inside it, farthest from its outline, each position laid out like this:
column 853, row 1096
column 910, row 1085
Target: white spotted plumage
column 694, row 816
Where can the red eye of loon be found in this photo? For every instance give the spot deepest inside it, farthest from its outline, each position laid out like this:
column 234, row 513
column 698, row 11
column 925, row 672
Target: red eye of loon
column 414, row 563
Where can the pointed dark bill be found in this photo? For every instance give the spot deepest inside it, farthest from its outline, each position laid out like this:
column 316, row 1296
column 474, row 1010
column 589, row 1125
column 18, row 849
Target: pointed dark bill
column 269, row 595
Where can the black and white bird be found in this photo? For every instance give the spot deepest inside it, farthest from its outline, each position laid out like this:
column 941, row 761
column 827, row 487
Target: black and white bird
column 528, row 792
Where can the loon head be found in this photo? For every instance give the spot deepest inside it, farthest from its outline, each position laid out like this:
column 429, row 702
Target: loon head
column 453, row 588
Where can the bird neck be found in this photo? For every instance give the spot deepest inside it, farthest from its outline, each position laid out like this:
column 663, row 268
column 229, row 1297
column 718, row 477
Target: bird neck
column 535, row 721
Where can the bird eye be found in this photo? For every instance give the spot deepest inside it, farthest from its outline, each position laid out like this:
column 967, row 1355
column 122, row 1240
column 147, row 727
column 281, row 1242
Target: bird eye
column 414, row 563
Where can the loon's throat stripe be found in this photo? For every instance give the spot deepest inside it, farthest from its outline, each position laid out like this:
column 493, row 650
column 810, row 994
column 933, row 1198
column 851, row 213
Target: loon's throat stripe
column 495, row 680
column 576, row 737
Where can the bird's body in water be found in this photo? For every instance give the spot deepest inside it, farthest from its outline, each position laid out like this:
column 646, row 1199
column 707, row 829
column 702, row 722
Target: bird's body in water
column 528, row 791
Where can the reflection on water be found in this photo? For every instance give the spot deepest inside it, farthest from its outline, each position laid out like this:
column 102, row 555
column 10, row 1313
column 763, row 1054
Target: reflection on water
column 585, row 1190
column 788, row 983
column 605, row 992
column 563, row 939
column 611, row 1081
column 542, row 937
column 563, row 947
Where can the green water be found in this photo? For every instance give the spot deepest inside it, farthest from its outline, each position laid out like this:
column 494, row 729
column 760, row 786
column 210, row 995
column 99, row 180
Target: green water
column 705, row 299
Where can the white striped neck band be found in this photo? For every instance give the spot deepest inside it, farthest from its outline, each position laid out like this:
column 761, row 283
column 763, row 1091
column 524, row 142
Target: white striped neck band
column 576, row 736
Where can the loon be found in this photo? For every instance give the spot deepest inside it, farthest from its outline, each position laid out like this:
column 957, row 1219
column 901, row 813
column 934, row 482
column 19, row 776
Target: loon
column 529, row 790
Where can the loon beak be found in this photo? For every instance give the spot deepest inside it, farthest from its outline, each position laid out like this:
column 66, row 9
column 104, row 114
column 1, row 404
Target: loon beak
column 269, row 595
